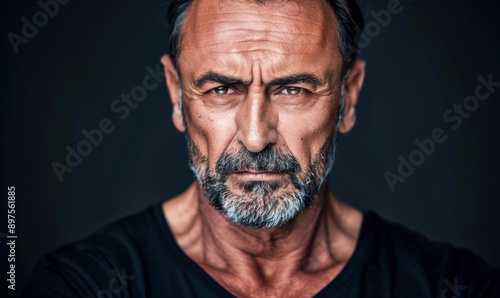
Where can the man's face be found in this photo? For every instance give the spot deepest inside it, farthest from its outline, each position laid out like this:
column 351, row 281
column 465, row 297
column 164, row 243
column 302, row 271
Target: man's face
column 261, row 93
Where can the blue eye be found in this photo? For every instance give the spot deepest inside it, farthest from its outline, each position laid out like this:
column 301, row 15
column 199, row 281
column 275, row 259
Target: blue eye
column 292, row 90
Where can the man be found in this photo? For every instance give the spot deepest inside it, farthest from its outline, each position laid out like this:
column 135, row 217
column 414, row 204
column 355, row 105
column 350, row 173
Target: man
column 261, row 90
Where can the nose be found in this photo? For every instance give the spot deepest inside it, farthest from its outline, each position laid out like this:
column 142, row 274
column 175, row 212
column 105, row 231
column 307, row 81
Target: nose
column 256, row 120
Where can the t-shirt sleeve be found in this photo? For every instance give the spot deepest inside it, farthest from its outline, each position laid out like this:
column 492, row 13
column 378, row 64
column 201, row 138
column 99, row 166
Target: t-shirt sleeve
column 79, row 272
column 470, row 276
column 408, row 264
column 54, row 280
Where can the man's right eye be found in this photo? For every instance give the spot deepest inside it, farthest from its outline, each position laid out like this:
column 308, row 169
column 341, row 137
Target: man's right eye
column 222, row 90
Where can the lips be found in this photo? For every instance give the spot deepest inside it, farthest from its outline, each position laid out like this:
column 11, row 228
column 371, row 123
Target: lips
column 254, row 175
column 256, row 172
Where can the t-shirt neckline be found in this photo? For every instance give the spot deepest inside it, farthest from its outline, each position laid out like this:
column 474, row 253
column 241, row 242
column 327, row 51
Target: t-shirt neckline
column 339, row 283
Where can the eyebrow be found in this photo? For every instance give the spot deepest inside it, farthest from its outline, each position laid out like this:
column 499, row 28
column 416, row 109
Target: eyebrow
column 214, row 77
column 300, row 78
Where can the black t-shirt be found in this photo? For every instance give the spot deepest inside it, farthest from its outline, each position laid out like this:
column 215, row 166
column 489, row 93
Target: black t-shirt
column 139, row 257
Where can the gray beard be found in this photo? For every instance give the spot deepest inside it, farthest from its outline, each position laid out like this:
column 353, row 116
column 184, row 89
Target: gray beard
column 260, row 206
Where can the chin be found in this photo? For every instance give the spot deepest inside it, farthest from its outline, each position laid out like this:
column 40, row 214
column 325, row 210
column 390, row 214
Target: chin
column 262, row 209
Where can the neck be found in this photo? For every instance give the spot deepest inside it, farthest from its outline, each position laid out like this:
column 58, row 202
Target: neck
column 320, row 238
column 312, row 241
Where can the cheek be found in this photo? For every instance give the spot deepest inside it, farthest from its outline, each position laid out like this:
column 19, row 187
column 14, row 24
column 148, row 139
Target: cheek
column 211, row 132
column 306, row 132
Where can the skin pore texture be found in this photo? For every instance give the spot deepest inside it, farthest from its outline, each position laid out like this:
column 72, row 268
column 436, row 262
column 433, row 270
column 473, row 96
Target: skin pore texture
column 259, row 76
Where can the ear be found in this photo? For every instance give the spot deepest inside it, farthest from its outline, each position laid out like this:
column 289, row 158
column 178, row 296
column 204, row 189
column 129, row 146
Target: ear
column 174, row 90
column 352, row 88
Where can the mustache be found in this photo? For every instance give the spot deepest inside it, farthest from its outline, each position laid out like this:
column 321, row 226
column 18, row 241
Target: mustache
column 269, row 160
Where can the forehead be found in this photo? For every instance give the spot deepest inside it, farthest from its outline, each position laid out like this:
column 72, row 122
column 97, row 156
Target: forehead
column 289, row 28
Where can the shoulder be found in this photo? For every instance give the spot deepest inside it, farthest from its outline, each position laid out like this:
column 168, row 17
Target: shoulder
column 442, row 266
column 103, row 264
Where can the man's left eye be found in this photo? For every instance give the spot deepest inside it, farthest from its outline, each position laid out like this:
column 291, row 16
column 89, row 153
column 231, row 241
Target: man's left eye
column 292, row 90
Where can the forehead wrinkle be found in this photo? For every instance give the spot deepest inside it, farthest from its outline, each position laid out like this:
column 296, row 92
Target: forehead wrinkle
column 247, row 39
column 259, row 20
column 259, row 31
column 262, row 44
column 259, row 50
column 258, row 27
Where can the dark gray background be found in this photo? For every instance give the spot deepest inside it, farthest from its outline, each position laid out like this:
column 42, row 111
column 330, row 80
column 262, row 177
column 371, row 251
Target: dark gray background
column 64, row 79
